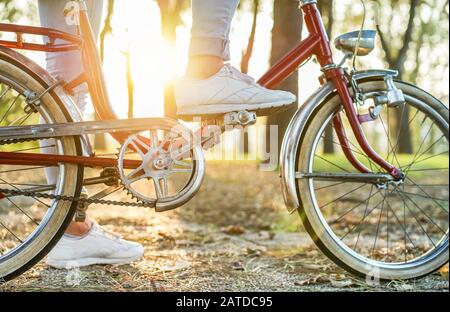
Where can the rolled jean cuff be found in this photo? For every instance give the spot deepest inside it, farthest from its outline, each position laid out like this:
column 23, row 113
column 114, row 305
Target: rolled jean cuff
column 202, row 46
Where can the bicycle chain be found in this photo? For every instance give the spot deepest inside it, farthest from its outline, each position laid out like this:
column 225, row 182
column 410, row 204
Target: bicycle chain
column 63, row 197
column 72, row 198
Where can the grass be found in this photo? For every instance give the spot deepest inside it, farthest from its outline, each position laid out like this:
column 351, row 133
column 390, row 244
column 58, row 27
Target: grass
column 340, row 160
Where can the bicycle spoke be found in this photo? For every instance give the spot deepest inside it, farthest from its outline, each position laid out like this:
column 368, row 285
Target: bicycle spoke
column 399, row 222
column 400, row 129
column 364, row 217
column 352, row 209
column 429, row 185
column 19, row 121
column 428, row 169
column 404, row 226
column 378, row 224
column 426, row 215
column 21, row 169
column 357, row 150
column 331, row 163
column 5, row 92
column 352, row 150
column 416, row 161
column 390, row 147
column 418, row 222
column 420, row 147
column 424, row 196
column 328, row 186
column 18, row 189
column 340, row 197
column 10, row 232
column 33, row 148
column 23, row 184
column 13, row 103
column 21, row 210
column 428, row 195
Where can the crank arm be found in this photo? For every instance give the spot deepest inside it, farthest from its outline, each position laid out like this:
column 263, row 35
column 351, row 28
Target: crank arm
column 106, row 192
column 374, row 178
column 47, row 131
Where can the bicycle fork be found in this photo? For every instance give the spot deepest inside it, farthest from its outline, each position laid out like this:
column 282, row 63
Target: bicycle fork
column 337, row 76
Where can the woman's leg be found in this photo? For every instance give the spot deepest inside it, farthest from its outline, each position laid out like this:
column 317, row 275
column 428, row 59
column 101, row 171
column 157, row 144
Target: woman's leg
column 67, row 66
column 210, row 45
column 85, row 243
column 212, row 87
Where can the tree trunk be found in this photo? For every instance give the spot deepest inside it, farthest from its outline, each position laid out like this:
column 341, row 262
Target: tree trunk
column 247, row 55
column 130, row 84
column 100, row 139
column 396, row 60
column 245, row 62
column 170, row 19
column 107, row 28
column 286, row 33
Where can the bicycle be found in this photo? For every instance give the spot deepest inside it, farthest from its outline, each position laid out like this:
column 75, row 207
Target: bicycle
column 376, row 211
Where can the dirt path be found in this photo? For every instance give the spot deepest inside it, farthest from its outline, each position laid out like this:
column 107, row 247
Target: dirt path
column 234, row 236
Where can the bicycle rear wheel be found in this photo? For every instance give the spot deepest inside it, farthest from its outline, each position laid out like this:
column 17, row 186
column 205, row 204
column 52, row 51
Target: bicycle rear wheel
column 392, row 230
column 30, row 226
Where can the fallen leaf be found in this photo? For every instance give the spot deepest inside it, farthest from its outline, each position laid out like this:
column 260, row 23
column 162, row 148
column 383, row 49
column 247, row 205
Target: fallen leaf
column 341, row 284
column 444, row 271
column 340, row 281
column 404, row 287
column 234, row 230
column 237, row 266
column 179, row 265
column 311, row 281
column 312, row 266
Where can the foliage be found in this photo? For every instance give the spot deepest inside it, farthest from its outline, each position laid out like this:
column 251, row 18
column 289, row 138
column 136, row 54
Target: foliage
column 11, row 12
column 8, row 11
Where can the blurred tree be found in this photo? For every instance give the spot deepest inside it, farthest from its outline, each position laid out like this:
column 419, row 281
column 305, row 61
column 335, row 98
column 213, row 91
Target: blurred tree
column 245, row 60
column 286, row 33
column 247, row 54
column 396, row 50
column 107, row 28
column 8, row 11
column 130, row 82
column 170, row 20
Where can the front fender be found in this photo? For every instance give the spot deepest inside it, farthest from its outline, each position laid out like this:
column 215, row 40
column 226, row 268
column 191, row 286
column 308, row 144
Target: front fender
column 296, row 128
column 71, row 110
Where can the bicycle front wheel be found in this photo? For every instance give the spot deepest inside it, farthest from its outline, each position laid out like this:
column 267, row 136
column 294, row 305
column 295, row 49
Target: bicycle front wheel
column 31, row 225
column 391, row 230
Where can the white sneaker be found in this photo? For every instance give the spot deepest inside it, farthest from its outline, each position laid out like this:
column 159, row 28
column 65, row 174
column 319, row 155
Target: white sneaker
column 228, row 91
column 99, row 246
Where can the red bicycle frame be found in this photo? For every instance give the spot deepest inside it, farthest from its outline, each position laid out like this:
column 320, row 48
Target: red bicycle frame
column 316, row 44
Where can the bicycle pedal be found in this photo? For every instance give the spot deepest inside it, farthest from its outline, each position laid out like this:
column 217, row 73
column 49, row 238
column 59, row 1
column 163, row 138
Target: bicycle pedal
column 242, row 118
column 80, row 212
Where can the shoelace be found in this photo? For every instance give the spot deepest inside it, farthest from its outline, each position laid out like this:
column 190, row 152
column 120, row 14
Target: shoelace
column 106, row 232
column 239, row 75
